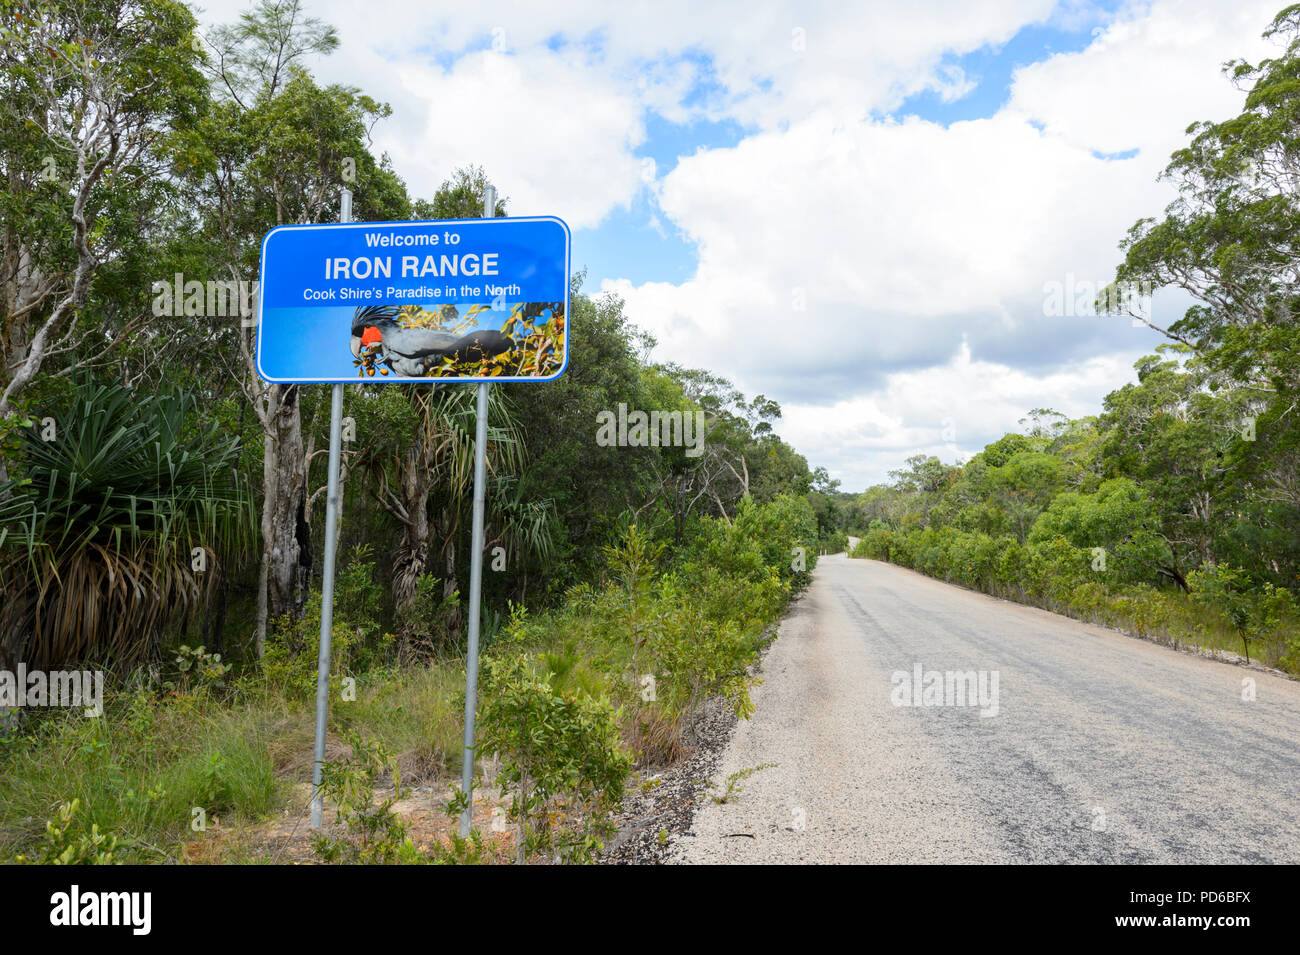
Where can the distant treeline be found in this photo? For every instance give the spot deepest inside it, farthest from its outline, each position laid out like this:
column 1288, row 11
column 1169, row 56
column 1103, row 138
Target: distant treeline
column 1178, row 508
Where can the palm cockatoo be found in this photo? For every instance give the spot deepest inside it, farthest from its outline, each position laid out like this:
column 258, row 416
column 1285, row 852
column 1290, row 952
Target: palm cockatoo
column 414, row 352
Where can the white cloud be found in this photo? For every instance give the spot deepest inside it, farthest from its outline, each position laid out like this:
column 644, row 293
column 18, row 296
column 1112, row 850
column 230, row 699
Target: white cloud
column 900, row 237
column 909, row 239
column 1146, row 77
column 950, row 411
column 589, row 90
column 497, row 111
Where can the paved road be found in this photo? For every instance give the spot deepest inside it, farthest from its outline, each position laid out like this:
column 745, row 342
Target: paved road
column 1100, row 748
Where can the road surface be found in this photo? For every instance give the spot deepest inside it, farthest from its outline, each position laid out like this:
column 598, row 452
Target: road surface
column 1090, row 747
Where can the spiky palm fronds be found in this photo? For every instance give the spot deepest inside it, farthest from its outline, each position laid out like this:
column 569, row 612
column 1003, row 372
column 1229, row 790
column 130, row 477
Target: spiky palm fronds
column 98, row 539
column 526, row 526
column 449, row 421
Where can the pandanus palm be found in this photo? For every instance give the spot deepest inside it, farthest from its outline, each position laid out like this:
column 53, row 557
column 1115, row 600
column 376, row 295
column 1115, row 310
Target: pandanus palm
column 428, row 484
column 120, row 527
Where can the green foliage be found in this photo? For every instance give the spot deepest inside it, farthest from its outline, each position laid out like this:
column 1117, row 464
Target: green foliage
column 119, row 92
column 140, row 769
column 563, row 761
column 1118, row 518
column 115, row 508
column 64, row 845
column 697, row 653
column 461, row 851
column 375, row 834
column 1257, row 612
column 778, row 537
column 423, row 618
column 198, row 671
column 732, row 788
column 1115, row 587
column 357, row 642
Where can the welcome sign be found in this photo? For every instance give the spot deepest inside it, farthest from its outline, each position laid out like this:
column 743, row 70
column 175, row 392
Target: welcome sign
column 442, row 300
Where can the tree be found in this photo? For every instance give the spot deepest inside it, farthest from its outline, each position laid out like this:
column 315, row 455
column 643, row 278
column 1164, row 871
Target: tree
column 1169, row 433
column 1120, row 518
column 460, row 197
column 425, row 470
column 282, row 148
column 1230, row 238
column 97, row 100
column 559, row 422
column 253, row 56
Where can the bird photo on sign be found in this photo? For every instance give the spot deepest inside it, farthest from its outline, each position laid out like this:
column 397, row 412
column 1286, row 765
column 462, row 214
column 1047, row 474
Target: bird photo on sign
column 437, row 341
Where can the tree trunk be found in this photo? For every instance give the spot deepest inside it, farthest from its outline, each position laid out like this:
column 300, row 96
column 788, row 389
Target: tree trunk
column 450, row 584
column 521, row 851
column 286, row 535
column 412, row 559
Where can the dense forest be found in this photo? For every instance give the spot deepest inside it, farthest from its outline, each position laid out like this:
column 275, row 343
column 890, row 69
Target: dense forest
column 1176, row 511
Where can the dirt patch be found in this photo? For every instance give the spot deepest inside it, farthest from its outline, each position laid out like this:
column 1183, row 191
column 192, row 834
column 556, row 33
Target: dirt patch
column 286, row 838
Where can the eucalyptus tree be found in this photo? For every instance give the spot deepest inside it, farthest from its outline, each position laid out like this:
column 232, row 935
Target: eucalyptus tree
column 281, row 148
column 1231, row 237
column 98, row 102
column 1230, row 240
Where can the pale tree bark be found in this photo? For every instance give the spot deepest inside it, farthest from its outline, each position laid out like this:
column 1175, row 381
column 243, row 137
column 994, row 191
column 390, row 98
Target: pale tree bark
column 88, row 114
column 285, row 562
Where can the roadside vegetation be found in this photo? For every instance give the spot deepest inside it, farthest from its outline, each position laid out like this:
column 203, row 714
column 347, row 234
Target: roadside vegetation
column 573, row 698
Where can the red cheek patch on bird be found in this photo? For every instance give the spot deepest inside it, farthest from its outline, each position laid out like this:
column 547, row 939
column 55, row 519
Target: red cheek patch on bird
column 370, row 336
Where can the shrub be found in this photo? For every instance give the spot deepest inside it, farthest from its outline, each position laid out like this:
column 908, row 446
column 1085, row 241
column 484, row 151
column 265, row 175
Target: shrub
column 563, row 761
column 65, row 846
column 114, row 510
column 376, row 835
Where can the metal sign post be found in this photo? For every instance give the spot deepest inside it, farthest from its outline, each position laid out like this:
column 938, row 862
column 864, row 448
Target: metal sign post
column 332, row 505
column 475, row 577
column 435, row 301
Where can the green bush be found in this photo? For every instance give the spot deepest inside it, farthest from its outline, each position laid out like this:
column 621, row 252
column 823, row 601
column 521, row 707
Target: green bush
column 65, row 846
column 563, row 761
column 375, row 834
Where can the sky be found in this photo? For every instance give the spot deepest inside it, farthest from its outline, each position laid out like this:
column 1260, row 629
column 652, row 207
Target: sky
column 871, row 212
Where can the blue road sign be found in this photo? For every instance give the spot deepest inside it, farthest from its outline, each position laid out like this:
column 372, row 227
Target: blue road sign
column 442, row 300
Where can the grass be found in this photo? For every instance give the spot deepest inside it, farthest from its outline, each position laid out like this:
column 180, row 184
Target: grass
column 140, row 771
column 142, row 768
column 241, row 753
column 153, row 757
column 418, row 713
